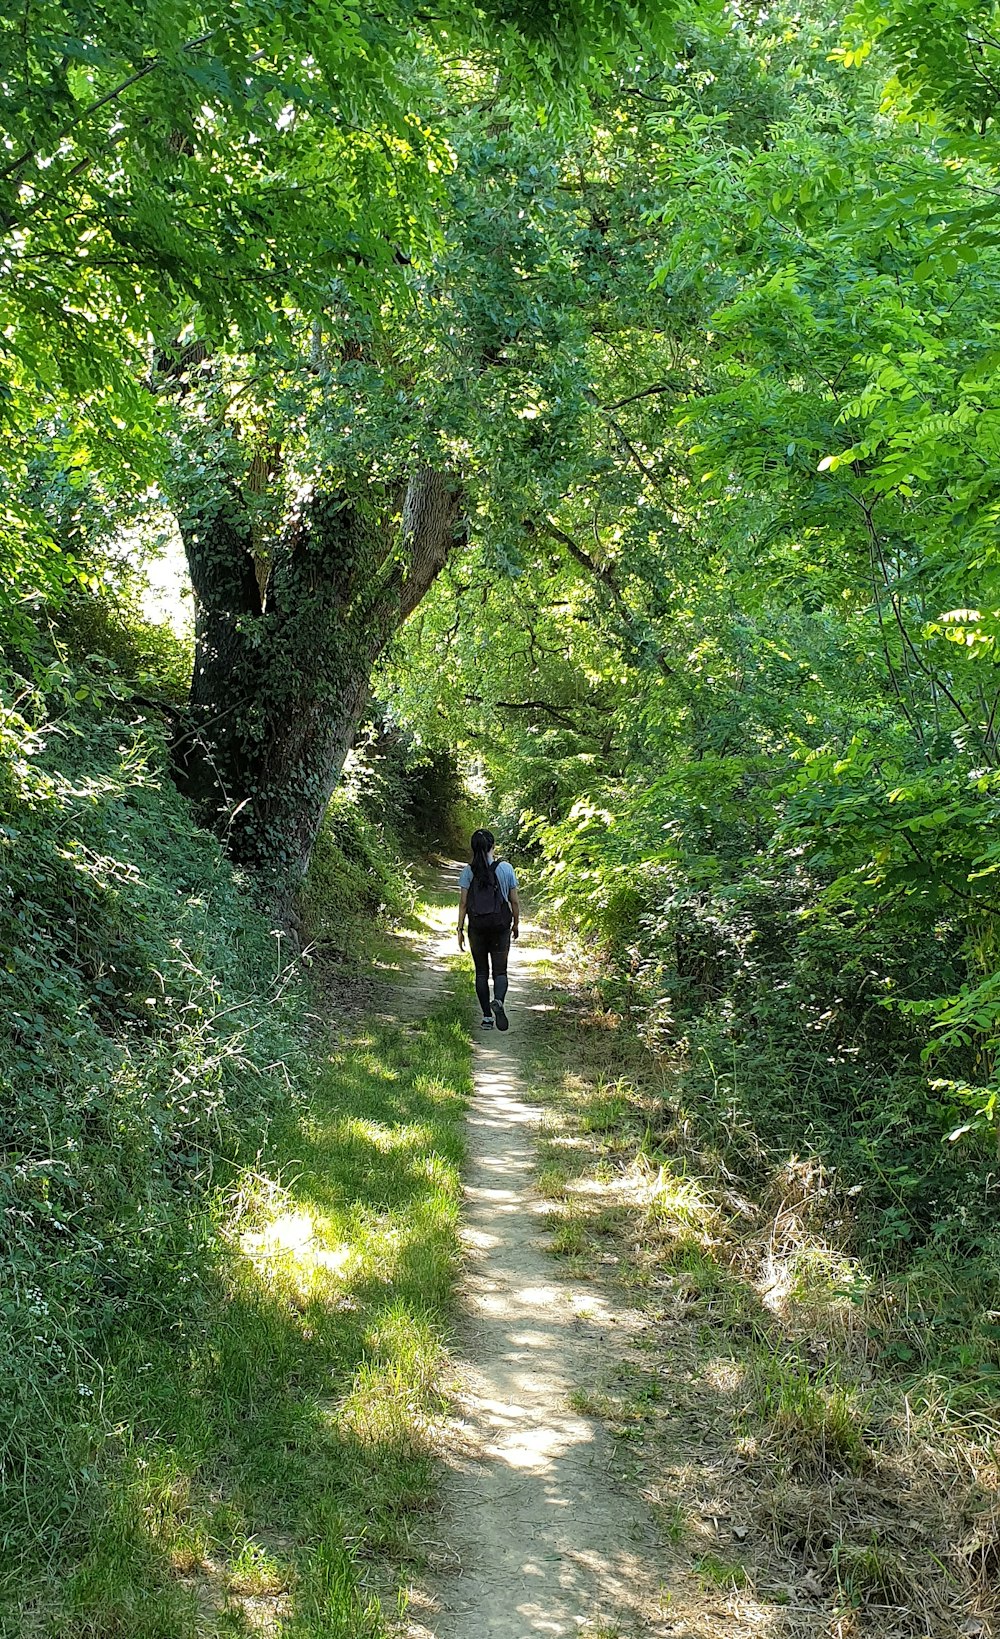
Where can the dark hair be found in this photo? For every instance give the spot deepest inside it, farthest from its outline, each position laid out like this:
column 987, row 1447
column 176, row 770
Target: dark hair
column 482, row 842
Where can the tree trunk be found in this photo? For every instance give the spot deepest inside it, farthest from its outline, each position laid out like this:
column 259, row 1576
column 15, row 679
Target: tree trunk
column 281, row 678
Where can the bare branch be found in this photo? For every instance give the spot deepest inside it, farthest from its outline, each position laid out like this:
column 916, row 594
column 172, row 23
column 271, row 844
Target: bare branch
column 647, row 392
column 557, row 714
column 607, row 578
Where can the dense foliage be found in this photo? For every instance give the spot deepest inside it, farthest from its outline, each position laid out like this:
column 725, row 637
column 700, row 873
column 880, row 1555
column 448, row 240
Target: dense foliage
column 153, row 1063
column 147, row 1012
column 203, row 214
column 615, row 392
column 735, row 683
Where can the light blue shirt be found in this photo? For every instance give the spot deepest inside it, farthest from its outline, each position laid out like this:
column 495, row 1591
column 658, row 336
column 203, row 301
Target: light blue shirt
column 506, row 879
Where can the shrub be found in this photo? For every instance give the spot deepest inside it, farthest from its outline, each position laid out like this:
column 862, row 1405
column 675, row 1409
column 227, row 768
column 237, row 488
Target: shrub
column 148, row 1036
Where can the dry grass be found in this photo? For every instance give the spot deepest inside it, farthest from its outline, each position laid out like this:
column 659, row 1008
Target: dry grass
column 804, row 1483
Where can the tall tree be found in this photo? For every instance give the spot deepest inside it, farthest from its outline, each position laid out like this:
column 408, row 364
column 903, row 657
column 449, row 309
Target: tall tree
column 187, row 193
column 320, row 494
column 282, row 667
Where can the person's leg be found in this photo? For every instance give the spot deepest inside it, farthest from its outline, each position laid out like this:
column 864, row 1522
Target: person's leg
column 480, row 947
column 499, row 950
column 499, row 954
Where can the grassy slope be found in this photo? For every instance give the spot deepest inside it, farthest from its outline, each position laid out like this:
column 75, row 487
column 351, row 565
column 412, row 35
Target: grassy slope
column 272, row 1467
column 820, row 1459
column 229, row 1243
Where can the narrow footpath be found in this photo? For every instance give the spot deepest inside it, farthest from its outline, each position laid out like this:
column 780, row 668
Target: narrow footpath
column 685, row 1443
column 536, row 1537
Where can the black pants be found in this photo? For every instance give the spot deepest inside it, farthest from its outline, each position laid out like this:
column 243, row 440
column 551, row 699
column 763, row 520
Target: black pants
column 489, row 945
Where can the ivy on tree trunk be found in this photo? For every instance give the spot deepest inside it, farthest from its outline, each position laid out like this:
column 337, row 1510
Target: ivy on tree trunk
column 283, row 661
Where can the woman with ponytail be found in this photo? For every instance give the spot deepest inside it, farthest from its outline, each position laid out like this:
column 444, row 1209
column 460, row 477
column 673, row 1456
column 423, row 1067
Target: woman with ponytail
column 489, row 899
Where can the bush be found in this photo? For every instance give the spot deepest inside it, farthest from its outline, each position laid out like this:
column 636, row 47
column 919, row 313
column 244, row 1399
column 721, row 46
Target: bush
column 780, row 1000
column 394, row 798
column 356, row 874
column 150, row 1032
column 108, row 629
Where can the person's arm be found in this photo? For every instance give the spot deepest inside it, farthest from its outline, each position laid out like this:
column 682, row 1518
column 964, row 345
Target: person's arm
column 462, row 903
column 515, row 905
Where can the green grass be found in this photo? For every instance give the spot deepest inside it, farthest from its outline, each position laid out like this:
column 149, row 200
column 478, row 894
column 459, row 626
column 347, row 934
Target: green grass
column 551, row 1180
column 812, row 1428
column 672, row 1519
column 569, row 1235
column 715, row 1572
column 783, row 1364
column 227, row 1257
column 275, row 1446
column 872, row 1573
column 604, row 1110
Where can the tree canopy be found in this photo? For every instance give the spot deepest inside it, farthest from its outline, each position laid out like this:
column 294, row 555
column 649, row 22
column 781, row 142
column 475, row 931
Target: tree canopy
column 580, row 418
column 173, row 171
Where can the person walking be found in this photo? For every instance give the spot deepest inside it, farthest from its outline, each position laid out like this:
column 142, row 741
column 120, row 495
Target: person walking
column 489, row 899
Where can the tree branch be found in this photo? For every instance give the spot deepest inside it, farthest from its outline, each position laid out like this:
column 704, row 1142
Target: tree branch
column 908, row 644
column 603, row 574
column 85, row 113
column 624, row 442
column 431, row 524
column 219, row 552
column 559, row 716
column 647, row 392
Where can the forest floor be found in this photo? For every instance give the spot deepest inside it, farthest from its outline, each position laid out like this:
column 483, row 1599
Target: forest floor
column 650, row 1431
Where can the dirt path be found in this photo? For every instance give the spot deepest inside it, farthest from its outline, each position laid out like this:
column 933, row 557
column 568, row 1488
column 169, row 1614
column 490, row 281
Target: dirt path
column 571, row 1407
column 537, row 1539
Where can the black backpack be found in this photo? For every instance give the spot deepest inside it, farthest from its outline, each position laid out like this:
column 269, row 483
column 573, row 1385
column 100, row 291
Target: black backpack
column 488, row 910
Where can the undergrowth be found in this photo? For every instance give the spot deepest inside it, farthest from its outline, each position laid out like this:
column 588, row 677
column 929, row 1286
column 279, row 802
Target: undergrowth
column 227, row 1258
column 395, row 800
column 814, row 1422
